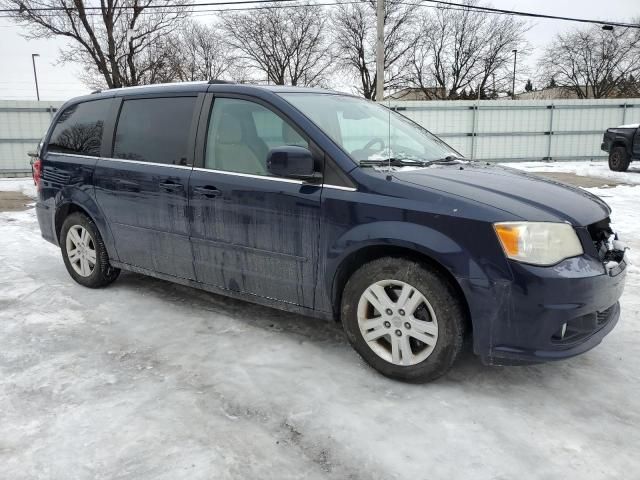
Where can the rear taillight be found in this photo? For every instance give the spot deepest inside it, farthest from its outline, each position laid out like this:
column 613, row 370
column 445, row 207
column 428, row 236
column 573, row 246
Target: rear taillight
column 36, row 170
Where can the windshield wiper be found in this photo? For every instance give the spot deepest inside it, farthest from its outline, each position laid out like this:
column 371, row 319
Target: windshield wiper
column 406, row 162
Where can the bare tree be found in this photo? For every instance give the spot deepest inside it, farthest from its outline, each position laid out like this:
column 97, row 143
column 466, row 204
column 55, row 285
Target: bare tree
column 198, row 52
column 355, row 30
column 464, row 48
column 286, row 45
column 592, row 63
column 119, row 43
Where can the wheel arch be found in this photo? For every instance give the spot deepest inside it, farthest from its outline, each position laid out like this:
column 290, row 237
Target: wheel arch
column 619, row 142
column 367, row 253
column 72, row 201
column 63, row 211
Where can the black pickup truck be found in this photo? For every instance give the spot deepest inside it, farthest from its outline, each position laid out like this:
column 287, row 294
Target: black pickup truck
column 623, row 145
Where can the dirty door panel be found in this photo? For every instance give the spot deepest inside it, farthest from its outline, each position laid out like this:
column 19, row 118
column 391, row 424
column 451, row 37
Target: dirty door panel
column 148, row 221
column 251, row 232
column 143, row 189
column 256, row 236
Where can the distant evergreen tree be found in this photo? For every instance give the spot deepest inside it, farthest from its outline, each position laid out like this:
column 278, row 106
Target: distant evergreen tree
column 529, row 86
column 552, row 83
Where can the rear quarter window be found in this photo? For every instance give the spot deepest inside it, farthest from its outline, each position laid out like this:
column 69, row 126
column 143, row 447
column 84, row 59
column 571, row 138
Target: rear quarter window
column 79, row 128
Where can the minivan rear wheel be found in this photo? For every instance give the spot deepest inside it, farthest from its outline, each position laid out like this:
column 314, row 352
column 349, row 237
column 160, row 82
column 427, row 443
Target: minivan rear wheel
column 404, row 319
column 84, row 253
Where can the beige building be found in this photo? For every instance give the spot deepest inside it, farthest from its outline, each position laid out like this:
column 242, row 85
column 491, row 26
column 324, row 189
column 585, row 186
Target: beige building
column 553, row 93
column 414, row 93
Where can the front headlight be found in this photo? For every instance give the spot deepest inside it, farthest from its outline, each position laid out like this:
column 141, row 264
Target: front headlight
column 538, row 243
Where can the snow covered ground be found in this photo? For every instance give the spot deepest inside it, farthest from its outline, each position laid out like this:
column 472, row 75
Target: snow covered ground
column 150, row 380
column 597, row 169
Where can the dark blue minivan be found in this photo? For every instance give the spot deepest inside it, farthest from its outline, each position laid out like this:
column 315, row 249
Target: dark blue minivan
column 333, row 206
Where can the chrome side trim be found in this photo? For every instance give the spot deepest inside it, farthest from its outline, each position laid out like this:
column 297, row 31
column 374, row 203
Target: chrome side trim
column 121, row 160
column 138, row 162
column 223, row 172
column 338, row 187
column 275, row 179
column 60, row 154
column 249, row 175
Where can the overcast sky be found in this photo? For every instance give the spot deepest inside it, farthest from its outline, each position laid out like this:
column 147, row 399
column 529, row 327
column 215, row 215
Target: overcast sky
column 60, row 82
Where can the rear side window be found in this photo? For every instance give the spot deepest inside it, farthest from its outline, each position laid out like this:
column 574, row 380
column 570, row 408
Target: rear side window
column 79, row 128
column 154, row 130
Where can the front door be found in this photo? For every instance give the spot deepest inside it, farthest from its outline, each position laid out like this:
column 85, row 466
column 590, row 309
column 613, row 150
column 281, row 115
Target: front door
column 142, row 188
column 252, row 232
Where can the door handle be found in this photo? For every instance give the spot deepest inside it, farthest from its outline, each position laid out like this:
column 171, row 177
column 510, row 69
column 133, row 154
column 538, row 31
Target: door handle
column 207, row 191
column 171, row 187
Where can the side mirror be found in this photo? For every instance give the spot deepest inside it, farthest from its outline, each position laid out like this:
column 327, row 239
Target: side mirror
column 292, row 162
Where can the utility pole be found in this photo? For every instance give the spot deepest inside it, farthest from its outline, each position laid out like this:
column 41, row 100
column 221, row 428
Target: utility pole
column 380, row 51
column 513, row 83
column 35, row 75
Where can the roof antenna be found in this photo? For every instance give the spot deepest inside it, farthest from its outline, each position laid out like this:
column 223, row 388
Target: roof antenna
column 389, row 176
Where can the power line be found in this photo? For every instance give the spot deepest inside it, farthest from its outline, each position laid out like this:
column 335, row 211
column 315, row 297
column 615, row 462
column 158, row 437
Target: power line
column 251, row 5
column 171, row 8
column 152, row 6
column 501, row 11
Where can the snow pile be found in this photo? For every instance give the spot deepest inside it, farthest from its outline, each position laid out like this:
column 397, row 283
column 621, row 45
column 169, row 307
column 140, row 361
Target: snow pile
column 22, row 185
column 582, row 169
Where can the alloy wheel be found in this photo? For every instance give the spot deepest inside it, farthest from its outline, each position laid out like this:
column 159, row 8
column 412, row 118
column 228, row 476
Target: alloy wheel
column 397, row 322
column 81, row 250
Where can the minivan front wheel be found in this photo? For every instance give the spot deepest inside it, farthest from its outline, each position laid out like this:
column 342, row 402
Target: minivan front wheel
column 404, row 319
column 84, row 253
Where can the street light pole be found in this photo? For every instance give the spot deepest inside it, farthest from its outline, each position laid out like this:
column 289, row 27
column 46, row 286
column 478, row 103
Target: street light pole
column 513, row 83
column 35, row 74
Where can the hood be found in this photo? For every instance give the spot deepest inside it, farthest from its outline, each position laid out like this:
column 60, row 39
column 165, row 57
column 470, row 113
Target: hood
column 522, row 194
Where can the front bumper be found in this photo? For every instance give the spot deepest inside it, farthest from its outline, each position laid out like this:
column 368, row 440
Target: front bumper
column 545, row 313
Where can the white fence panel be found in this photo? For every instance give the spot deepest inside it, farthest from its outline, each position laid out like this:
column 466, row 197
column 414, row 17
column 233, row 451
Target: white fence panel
column 494, row 130
column 22, row 125
column 507, row 130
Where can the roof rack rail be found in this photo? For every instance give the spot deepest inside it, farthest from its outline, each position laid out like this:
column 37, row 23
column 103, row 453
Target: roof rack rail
column 214, row 81
column 96, row 91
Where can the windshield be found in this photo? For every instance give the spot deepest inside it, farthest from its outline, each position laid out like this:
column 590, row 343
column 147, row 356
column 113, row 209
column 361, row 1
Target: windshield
column 368, row 131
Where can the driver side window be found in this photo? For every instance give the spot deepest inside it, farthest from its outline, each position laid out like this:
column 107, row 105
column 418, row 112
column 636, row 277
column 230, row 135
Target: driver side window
column 241, row 133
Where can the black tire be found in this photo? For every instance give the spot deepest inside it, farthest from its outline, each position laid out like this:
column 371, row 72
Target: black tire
column 619, row 159
column 103, row 273
column 443, row 298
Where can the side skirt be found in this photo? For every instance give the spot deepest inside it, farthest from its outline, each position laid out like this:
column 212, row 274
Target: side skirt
column 264, row 301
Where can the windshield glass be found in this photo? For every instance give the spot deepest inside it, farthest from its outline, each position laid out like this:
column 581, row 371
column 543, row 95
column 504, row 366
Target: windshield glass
column 368, row 131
